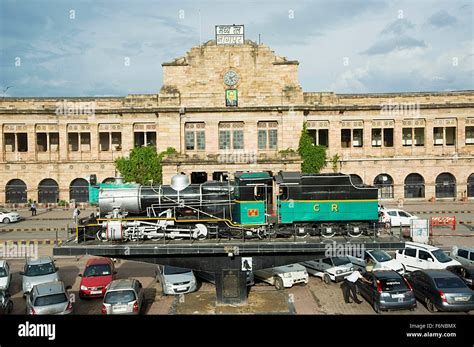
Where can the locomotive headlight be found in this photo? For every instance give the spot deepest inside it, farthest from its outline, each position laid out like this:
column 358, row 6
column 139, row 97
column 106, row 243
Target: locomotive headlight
column 338, row 272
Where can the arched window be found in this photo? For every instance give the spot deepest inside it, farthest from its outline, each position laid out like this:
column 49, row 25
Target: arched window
column 356, row 180
column 414, row 186
column 15, row 192
column 48, row 191
column 470, row 186
column 445, row 186
column 109, row 180
column 79, row 190
column 385, row 184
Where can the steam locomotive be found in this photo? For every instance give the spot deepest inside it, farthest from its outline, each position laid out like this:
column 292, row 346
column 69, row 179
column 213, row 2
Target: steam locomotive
column 252, row 205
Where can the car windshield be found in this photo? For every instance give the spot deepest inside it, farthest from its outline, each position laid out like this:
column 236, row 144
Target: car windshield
column 3, row 272
column 171, row 270
column 338, row 261
column 2, row 210
column 392, row 284
column 50, row 299
column 449, row 282
column 381, row 256
column 40, row 269
column 441, row 256
column 119, row 296
column 97, row 270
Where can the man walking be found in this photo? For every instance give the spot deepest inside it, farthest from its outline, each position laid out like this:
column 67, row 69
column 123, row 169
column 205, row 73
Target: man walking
column 349, row 285
column 33, row 208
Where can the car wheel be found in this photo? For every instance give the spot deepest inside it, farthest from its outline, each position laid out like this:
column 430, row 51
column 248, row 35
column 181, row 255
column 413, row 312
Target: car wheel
column 430, row 306
column 376, row 307
column 6, row 220
column 279, row 283
column 327, row 279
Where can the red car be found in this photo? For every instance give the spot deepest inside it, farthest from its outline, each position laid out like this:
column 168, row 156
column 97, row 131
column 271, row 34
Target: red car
column 99, row 272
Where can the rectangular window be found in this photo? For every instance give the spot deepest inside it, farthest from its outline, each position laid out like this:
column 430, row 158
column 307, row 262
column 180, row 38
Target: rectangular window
column 323, row 137
column 189, row 140
column 139, row 139
column 195, row 136
column 469, row 135
column 41, row 142
column 150, row 138
column 450, row 136
column 201, row 140
column 262, row 139
column 357, row 137
column 314, row 135
column 85, row 142
column 407, row 134
column 419, row 136
column 345, row 138
column 438, row 136
column 238, row 140
column 73, row 142
column 376, row 137
column 10, row 142
column 53, row 142
column 273, row 139
column 224, row 139
column 116, row 141
column 104, row 142
column 22, row 139
column 388, row 137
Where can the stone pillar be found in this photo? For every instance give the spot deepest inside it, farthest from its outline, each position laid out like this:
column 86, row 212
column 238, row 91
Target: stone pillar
column 94, row 131
column 31, row 136
column 63, row 144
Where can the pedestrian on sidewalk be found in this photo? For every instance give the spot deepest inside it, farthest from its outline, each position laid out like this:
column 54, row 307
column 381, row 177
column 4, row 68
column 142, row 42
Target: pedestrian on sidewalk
column 33, row 208
column 349, row 285
column 75, row 215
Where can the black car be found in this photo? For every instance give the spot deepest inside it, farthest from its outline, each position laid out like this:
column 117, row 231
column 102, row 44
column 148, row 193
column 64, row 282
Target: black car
column 465, row 272
column 6, row 305
column 441, row 290
column 388, row 290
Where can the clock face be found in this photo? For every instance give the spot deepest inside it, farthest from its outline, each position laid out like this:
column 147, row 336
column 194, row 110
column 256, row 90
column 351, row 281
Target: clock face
column 231, row 78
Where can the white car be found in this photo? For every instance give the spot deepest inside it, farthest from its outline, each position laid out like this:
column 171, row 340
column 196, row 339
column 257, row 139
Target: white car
column 377, row 259
column 464, row 255
column 418, row 256
column 8, row 216
column 330, row 269
column 283, row 276
column 176, row 280
column 398, row 217
column 5, row 275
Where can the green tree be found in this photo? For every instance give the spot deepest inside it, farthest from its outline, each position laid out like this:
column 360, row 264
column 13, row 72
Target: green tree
column 143, row 165
column 314, row 157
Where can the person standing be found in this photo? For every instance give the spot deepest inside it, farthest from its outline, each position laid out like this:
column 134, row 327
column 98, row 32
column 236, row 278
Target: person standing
column 349, row 285
column 33, row 208
column 75, row 215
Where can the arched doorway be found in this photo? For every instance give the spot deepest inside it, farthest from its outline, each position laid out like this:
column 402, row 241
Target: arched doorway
column 385, row 184
column 445, row 186
column 470, row 186
column 356, row 180
column 79, row 190
column 48, row 191
column 15, row 192
column 414, row 186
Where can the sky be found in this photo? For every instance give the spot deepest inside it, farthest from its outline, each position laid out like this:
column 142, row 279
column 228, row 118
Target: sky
column 116, row 47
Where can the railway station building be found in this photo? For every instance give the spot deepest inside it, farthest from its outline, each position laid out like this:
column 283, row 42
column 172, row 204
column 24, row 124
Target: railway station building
column 239, row 107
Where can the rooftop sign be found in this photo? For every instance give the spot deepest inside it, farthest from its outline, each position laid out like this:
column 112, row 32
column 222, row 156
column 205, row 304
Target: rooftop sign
column 230, row 34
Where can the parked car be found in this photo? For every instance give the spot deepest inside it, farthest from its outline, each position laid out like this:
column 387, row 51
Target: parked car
column 210, row 277
column 123, row 297
column 418, row 256
column 7, row 216
column 283, row 276
column 49, row 298
column 388, row 290
column 441, row 290
column 465, row 272
column 98, row 273
column 176, row 280
column 5, row 275
column 377, row 259
column 6, row 304
column 329, row 269
column 37, row 271
column 399, row 217
column 464, row 255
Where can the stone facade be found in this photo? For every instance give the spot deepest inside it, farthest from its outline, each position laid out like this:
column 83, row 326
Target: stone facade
column 382, row 138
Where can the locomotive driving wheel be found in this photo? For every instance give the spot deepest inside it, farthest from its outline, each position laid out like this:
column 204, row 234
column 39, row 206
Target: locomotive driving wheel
column 327, row 230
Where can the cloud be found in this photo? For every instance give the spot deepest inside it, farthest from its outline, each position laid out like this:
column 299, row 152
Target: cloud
column 398, row 27
column 394, row 43
column 441, row 19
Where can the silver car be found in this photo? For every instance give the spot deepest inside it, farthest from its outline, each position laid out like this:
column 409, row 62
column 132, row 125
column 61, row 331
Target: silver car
column 49, row 298
column 37, row 271
column 123, row 297
column 5, row 275
column 176, row 280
